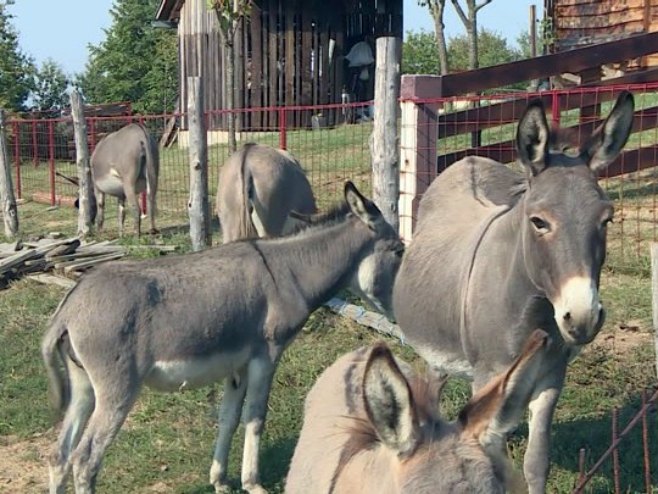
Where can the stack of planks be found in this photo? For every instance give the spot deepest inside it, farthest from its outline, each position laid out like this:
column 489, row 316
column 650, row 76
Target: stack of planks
column 69, row 257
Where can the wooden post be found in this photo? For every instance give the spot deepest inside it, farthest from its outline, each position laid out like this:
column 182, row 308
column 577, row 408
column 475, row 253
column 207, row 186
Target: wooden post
column 418, row 141
column 9, row 209
column 654, row 297
column 198, row 204
column 86, row 189
column 385, row 152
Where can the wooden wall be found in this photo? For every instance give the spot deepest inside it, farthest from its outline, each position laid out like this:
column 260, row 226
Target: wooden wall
column 283, row 55
column 584, row 22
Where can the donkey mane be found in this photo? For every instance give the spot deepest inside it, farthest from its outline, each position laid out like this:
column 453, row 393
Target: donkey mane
column 337, row 214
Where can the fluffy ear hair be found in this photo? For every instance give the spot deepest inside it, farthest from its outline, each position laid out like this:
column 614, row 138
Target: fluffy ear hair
column 610, row 138
column 532, row 137
column 497, row 408
column 388, row 401
column 362, row 207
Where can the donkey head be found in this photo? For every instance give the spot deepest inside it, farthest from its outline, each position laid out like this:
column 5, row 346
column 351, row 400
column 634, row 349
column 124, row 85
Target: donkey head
column 433, row 456
column 566, row 214
column 373, row 280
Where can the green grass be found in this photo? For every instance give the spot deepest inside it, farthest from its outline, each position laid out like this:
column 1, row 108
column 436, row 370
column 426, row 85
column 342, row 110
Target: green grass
column 166, row 444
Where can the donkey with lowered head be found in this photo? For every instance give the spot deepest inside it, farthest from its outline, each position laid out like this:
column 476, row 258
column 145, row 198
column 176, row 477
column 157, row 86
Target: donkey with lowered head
column 185, row 321
column 124, row 164
column 259, row 186
column 371, row 426
column 497, row 253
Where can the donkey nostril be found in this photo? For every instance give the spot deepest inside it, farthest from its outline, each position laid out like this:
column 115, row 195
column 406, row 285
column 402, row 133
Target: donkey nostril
column 567, row 316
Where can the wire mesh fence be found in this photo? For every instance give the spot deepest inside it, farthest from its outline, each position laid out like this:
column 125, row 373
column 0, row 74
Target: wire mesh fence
column 331, row 150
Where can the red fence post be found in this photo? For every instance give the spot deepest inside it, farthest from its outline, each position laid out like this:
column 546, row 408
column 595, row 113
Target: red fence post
column 283, row 138
column 51, row 161
column 17, row 159
column 555, row 110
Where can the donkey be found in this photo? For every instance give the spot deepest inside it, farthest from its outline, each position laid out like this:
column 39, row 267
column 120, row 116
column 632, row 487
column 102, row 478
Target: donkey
column 124, row 164
column 371, row 426
column 259, row 187
column 496, row 248
column 186, row 321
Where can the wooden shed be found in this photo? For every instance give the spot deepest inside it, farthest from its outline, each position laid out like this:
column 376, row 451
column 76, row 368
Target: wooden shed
column 288, row 52
column 577, row 23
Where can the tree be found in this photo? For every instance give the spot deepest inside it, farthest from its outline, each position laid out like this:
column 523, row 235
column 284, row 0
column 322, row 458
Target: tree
column 50, row 87
column 419, row 53
column 469, row 19
column 16, row 68
column 129, row 64
column 437, row 9
column 493, row 50
column 229, row 13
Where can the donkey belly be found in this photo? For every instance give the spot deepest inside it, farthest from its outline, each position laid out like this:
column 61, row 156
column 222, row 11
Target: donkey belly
column 111, row 184
column 194, row 372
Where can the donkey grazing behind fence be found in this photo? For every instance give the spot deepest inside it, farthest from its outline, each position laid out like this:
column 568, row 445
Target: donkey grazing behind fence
column 497, row 253
column 185, row 321
column 124, row 164
column 371, row 426
column 259, row 187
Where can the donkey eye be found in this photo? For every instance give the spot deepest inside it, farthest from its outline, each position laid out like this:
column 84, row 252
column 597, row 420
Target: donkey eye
column 540, row 224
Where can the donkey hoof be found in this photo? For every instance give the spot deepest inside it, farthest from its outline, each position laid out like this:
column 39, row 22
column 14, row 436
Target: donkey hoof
column 254, row 489
column 154, row 231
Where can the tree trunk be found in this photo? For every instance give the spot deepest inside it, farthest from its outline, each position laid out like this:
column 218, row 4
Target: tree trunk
column 9, row 209
column 385, row 149
column 472, row 29
column 86, row 198
column 437, row 10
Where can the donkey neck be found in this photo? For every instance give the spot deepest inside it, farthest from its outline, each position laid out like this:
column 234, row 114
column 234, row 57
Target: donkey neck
column 320, row 261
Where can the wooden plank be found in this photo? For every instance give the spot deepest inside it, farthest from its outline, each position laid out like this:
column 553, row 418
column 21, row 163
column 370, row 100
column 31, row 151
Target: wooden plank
column 87, row 263
column 316, row 64
column 598, row 9
column 631, row 161
column 500, row 75
column 370, row 319
column 324, row 63
column 256, row 65
column 306, row 53
column 50, row 279
column 289, row 57
column 273, row 57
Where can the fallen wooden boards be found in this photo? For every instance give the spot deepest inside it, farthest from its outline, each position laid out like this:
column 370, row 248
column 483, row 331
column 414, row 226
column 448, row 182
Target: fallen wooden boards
column 69, row 256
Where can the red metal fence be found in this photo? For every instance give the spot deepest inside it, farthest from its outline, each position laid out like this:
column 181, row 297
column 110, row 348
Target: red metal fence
column 333, row 150
column 436, row 132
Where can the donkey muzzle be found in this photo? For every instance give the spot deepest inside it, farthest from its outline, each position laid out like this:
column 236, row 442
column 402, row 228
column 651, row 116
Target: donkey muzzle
column 579, row 313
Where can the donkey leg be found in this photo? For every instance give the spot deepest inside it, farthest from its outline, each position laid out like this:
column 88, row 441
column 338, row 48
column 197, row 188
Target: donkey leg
column 542, row 405
column 77, row 414
column 100, row 213
column 151, row 210
column 111, row 411
column 122, row 214
column 230, row 409
column 133, row 202
column 259, row 382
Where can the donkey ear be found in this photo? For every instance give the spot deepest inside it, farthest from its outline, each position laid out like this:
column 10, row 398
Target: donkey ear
column 532, row 137
column 362, row 207
column 389, row 403
column 610, row 138
column 497, row 408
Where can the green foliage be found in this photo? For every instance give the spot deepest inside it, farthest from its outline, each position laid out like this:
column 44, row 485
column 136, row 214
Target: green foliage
column 419, row 53
column 493, row 50
column 50, row 87
column 135, row 62
column 16, row 68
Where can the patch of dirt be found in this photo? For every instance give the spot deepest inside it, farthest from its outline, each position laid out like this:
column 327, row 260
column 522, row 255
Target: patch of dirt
column 624, row 338
column 24, row 464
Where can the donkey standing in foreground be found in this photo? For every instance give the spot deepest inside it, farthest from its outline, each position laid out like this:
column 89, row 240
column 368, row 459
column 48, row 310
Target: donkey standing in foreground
column 497, row 253
column 124, row 164
column 371, row 426
column 186, row 321
column 259, row 187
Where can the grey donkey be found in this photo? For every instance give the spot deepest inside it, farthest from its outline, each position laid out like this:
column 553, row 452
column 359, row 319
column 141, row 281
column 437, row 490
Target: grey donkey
column 497, row 253
column 258, row 187
column 372, row 426
column 124, row 164
column 186, row 321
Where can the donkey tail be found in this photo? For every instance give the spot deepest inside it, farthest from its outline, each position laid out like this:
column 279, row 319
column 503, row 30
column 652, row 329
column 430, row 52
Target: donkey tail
column 151, row 156
column 246, row 191
column 51, row 351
